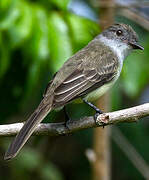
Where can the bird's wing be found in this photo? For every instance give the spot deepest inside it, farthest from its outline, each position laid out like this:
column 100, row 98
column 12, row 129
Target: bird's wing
column 81, row 82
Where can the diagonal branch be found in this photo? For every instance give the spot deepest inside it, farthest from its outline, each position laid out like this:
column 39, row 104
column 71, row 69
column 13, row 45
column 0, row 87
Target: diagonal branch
column 55, row 129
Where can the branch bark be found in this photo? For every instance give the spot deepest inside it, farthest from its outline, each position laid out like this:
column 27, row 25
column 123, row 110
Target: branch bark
column 56, row 129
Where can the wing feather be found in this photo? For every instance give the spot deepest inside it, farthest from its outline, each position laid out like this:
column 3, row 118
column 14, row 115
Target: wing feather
column 75, row 85
column 66, row 97
column 71, row 83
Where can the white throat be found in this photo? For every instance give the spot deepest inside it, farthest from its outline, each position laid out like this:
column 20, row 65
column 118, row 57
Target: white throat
column 120, row 49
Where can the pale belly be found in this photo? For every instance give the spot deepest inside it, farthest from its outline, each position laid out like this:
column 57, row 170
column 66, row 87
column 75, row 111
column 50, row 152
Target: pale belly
column 94, row 95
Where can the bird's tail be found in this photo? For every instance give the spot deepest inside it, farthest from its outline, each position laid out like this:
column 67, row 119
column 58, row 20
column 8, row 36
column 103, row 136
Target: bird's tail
column 27, row 130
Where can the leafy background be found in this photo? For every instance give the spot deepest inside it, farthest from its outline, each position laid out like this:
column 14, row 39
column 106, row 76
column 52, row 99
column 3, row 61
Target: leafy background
column 36, row 37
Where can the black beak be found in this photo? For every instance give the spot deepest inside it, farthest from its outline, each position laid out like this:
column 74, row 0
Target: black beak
column 136, row 46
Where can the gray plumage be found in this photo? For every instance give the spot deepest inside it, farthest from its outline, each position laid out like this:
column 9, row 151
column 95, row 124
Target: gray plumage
column 89, row 69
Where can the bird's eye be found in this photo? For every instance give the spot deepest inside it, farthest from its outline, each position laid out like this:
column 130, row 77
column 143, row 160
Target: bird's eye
column 119, row 32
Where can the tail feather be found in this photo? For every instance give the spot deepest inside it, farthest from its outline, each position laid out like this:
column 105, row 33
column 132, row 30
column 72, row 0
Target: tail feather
column 26, row 132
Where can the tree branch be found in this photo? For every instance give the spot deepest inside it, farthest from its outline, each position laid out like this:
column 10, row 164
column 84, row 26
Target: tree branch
column 56, row 129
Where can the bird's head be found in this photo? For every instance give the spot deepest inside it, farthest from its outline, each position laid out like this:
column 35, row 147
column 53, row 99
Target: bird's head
column 123, row 34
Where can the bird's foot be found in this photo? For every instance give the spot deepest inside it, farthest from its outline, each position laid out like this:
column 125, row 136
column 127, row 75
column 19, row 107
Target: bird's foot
column 67, row 119
column 98, row 112
column 104, row 119
column 67, row 124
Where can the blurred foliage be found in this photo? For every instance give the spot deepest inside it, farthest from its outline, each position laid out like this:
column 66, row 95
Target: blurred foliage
column 36, row 37
column 135, row 74
column 41, row 36
column 35, row 40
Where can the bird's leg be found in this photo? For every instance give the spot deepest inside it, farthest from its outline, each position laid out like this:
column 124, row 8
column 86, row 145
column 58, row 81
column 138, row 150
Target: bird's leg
column 67, row 118
column 98, row 111
column 93, row 106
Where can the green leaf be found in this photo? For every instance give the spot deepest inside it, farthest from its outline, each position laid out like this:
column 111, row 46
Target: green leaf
column 36, row 51
column 59, row 41
column 82, row 30
column 4, row 6
column 61, row 4
column 20, row 30
column 134, row 75
column 4, row 56
column 32, row 81
column 37, row 48
column 8, row 13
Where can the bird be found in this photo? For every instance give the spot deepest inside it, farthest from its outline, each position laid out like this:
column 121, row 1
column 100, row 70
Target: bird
column 87, row 75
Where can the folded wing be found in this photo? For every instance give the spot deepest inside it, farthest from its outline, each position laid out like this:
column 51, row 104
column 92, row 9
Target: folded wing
column 79, row 83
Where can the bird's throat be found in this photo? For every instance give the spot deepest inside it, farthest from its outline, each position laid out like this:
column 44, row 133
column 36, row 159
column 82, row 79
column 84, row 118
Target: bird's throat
column 119, row 48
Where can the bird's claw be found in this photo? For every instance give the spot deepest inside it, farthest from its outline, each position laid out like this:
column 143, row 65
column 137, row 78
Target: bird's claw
column 102, row 121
